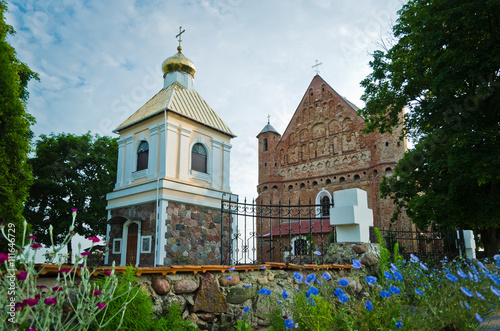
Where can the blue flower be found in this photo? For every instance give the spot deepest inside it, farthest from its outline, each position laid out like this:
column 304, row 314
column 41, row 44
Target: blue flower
column 289, row 323
column 343, row 282
column 461, row 273
column 371, row 280
column 247, row 285
column 265, row 291
column 311, row 302
column 388, row 275
column 413, row 258
column 479, row 295
column 343, row 298
column 317, row 253
column 495, row 279
column 423, row 266
column 369, row 305
column 495, row 290
column 467, row 292
column 399, row 325
column 231, row 269
column 246, row 309
column 298, row 277
column 419, row 292
column 311, row 278
column 356, row 264
column 397, row 275
column 263, row 267
column 478, row 317
column 385, row 294
column 284, row 294
column 229, row 277
column 452, row 277
column 393, row 267
column 479, row 263
column 296, row 325
column 314, row 290
column 467, row 305
column 326, row 276
column 394, row 290
column 338, row 292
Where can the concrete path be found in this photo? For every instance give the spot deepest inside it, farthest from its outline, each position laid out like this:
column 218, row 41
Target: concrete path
column 493, row 322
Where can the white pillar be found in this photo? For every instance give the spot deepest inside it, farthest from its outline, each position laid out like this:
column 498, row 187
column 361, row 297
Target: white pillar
column 161, row 253
column 128, row 159
column 106, row 251
column 162, row 153
column 470, row 244
column 351, row 216
column 226, row 157
column 119, row 168
column 216, row 163
column 171, row 149
column 153, row 152
column 184, row 154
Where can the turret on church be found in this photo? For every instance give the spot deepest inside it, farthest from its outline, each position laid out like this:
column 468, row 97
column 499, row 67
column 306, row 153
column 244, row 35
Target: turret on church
column 173, row 168
column 322, row 150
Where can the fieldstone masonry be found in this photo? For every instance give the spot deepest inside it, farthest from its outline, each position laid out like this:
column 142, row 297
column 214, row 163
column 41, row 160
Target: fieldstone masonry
column 194, row 234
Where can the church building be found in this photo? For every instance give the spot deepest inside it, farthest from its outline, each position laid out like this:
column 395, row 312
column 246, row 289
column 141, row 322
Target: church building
column 173, row 170
column 322, row 150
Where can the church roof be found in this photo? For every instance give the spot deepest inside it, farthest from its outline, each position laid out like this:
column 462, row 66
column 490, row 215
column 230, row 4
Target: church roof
column 268, row 128
column 185, row 102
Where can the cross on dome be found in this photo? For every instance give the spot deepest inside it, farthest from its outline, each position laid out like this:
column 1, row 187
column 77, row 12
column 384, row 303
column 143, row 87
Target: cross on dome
column 179, row 36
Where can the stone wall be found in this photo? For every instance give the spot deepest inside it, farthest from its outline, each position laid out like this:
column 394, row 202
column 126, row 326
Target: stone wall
column 194, row 234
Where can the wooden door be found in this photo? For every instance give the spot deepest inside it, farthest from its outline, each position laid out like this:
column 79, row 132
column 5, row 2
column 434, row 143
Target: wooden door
column 133, row 230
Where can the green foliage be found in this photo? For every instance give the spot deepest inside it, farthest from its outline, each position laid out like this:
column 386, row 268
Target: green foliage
column 173, row 321
column 72, row 304
column 71, row 172
column 385, row 254
column 444, row 69
column 15, row 132
column 276, row 320
column 128, row 318
column 243, row 326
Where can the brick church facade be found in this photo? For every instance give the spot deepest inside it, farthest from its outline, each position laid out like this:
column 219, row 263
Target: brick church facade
column 323, row 150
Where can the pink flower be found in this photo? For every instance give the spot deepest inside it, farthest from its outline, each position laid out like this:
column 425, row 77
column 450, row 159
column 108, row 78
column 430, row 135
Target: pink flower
column 31, row 329
column 22, row 275
column 74, row 210
column 50, row 301
column 101, row 305
column 35, row 246
column 19, row 306
column 94, row 239
column 85, row 254
column 65, row 271
column 30, row 302
column 96, row 292
column 3, row 257
column 57, row 288
column 31, row 237
column 107, row 272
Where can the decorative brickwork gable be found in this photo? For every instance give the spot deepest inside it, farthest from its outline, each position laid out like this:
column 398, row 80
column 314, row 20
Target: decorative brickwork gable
column 324, row 147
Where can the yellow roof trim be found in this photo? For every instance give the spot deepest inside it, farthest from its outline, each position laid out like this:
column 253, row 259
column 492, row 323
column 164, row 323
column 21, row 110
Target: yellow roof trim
column 182, row 101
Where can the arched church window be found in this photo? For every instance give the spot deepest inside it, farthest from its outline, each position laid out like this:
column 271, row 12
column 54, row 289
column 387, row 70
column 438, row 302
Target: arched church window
column 142, row 155
column 264, row 145
column 325, row 206
column 199, row 158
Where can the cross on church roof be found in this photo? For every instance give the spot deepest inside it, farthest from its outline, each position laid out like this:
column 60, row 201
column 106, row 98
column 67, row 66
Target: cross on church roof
column 179, row 36
column 268, row 117
column 316, row 66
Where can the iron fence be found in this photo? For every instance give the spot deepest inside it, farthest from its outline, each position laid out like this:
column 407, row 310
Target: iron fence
column 267, row 232
column 429, row 245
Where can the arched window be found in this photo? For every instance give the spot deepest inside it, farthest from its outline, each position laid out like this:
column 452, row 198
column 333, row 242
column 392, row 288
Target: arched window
column 142, row 155
column 264, row 145
column 325, row 206
column 199, row 158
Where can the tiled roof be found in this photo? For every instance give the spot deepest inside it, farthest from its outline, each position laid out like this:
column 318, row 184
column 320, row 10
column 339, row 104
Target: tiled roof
column 185, row 102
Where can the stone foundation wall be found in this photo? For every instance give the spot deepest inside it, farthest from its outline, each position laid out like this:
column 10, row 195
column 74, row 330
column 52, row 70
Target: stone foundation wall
column 194, row 235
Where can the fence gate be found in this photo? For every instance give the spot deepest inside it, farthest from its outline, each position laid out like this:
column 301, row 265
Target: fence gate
column 276, row 232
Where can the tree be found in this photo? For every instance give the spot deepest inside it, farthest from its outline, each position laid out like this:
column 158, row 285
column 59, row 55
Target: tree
column 15, row 133
column 444, row 68
column 71, row 172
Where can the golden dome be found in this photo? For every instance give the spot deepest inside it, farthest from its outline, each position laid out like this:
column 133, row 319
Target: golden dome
column 178, row 62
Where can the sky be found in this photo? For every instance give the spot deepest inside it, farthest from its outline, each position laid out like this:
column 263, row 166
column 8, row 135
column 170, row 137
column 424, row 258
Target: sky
column 99, row 61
